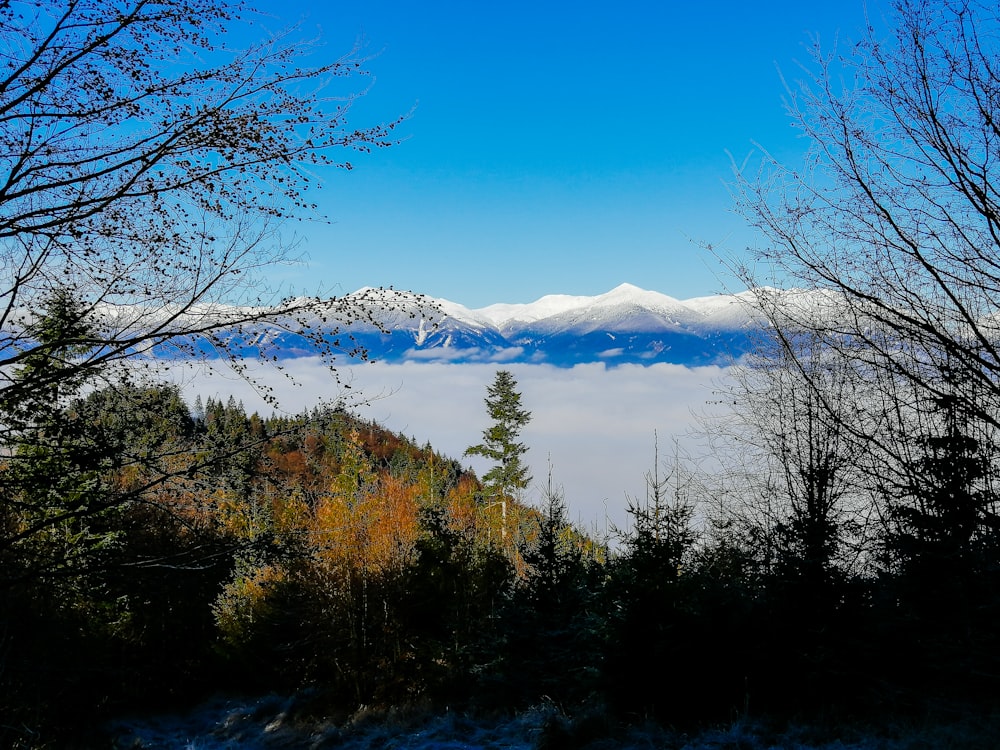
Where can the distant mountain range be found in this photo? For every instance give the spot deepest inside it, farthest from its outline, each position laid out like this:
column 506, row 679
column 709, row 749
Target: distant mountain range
column 625, row 325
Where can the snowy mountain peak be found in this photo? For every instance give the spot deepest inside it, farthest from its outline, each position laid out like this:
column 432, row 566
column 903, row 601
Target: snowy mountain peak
column 627, row 325
column 632, row 293
column 627, row 295
column 622, row 299
column 503, row 314
column 626, row 288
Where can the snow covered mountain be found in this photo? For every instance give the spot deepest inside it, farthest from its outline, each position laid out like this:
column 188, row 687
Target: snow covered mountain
column 625, row 325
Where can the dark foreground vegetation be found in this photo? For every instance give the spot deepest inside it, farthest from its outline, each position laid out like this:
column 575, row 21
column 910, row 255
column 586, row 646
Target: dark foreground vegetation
column 243, row 554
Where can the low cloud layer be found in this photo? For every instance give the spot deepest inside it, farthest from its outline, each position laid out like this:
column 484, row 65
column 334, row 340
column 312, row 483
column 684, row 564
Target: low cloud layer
column 594, row 424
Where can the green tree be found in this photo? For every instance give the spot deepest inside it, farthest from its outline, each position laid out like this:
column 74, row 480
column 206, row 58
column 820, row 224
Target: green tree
column 509, row 474
column 652, row 618
column 59, row 522
column 662, row 535
column 54, row 498
column 553, row 554
column 549, row 629
column 942, row 520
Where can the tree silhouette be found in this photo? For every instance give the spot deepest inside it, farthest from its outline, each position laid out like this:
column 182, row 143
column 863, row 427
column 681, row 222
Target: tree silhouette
column 886, row 242
column 55, row 490
column 895, row 217
column 146, row 164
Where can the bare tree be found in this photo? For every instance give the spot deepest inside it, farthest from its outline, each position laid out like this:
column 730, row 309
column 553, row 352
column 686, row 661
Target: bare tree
column 146, row 163
column 894, row 223
column 897, row 210
column 790, row 478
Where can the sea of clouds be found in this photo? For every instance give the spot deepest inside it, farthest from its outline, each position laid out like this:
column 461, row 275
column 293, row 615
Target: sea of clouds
column 595, row 429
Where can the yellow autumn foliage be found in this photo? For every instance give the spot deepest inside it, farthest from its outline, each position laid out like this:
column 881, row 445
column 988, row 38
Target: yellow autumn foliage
column 244, row 601
column 372, row 530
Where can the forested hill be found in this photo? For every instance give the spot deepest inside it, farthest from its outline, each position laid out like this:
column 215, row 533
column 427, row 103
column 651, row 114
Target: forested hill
column 154, row 554
column 210, row 549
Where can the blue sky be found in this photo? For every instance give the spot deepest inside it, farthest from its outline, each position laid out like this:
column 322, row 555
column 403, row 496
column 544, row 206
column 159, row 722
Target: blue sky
column 555, row 148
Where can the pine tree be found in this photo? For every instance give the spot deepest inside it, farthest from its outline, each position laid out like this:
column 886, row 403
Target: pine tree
column 500, row 445
column 52, row 496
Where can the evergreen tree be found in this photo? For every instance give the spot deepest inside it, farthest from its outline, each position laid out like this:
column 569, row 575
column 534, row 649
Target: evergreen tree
column 52, row 497
column 500, row 445
column 550, row 628
column 655, row 660
column 553, row 555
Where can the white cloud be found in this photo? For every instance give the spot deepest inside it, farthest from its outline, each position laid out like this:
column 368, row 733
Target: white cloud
column 596, row 424
column 470, row 353
column 444, row 353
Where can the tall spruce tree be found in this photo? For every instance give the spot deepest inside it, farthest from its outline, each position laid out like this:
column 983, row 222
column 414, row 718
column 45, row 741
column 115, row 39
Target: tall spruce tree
column 500, row 445
column 52, row 495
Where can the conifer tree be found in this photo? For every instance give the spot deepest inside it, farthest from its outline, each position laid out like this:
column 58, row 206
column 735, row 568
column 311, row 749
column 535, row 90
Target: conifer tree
column 51, row 491
column 500, row 445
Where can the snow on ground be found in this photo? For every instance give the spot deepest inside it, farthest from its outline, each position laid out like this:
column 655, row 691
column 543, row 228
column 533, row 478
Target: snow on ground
column 273, row 722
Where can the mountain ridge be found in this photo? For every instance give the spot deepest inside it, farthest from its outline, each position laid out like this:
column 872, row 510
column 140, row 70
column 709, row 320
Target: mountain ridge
column 627, row 324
